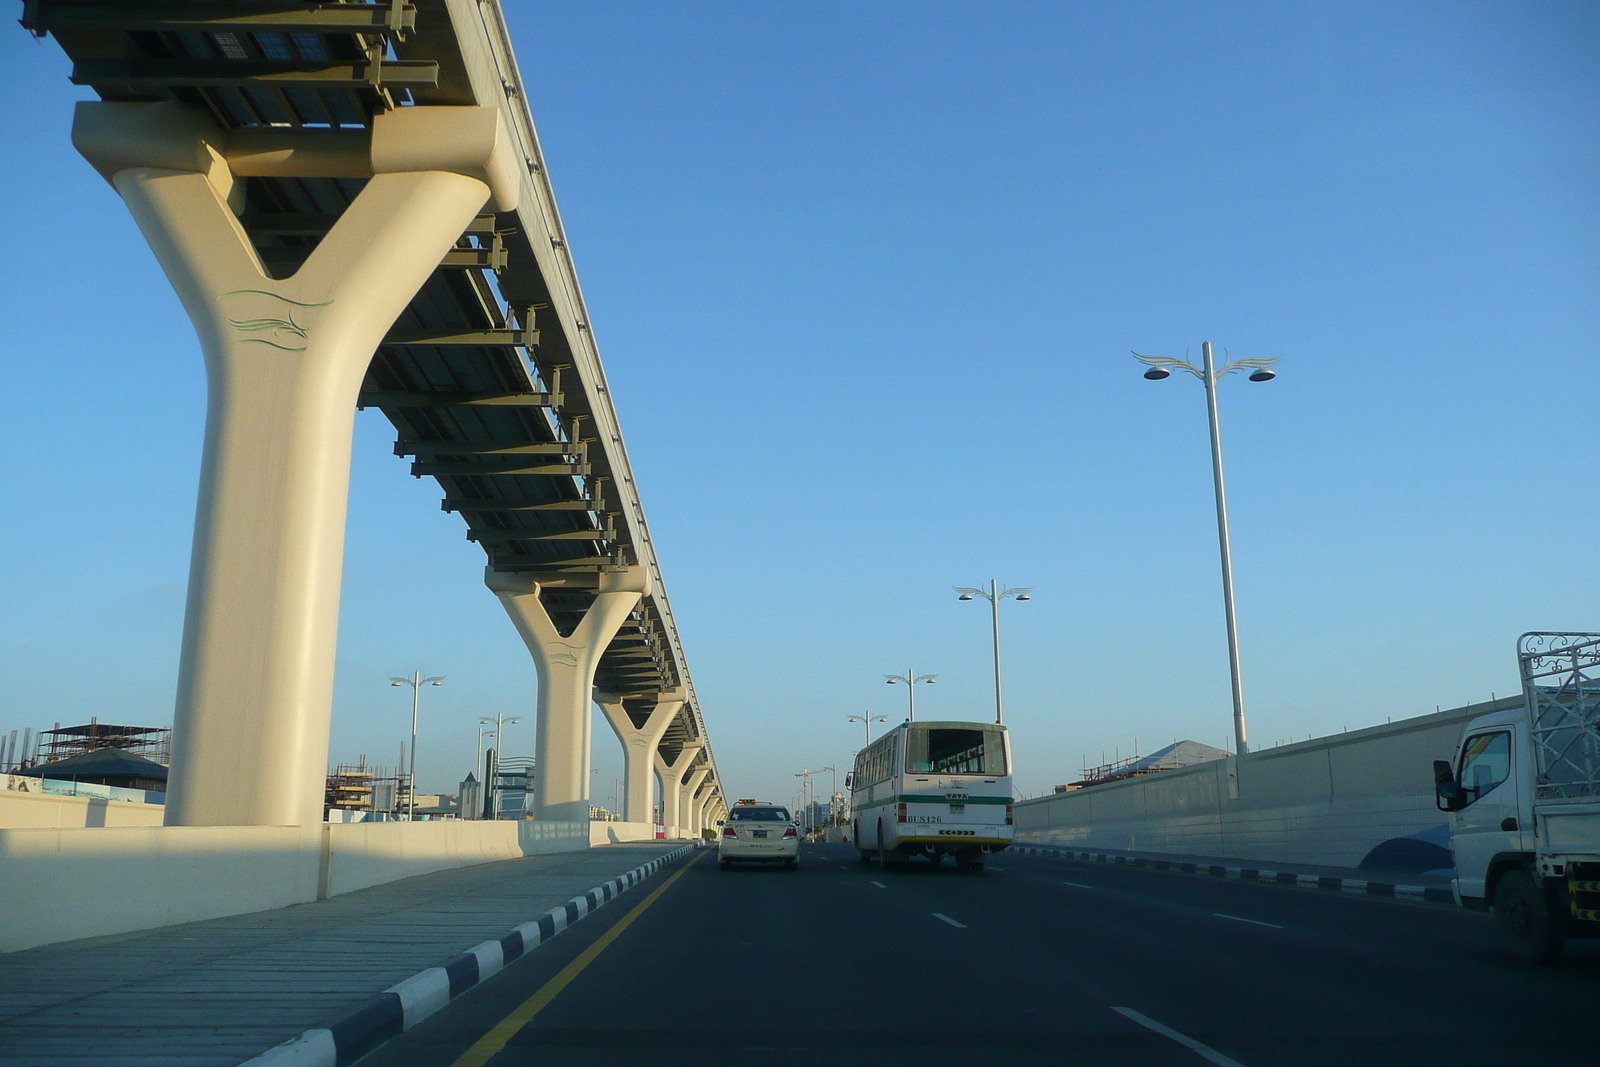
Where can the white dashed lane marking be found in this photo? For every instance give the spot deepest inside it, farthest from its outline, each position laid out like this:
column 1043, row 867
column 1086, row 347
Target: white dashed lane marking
column 952, row 922
column 880, row 885
column 1078, row 885
column 1252, row 922
column 1205, row 1052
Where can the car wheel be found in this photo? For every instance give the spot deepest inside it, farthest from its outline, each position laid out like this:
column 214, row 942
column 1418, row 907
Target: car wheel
column 724, row 864
column 1527, row 925
column 791, row 865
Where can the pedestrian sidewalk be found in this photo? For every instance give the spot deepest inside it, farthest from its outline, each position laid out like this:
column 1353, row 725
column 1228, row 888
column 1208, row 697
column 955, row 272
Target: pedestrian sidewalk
column 219, row 992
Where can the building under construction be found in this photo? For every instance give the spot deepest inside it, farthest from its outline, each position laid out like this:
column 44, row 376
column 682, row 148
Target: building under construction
column 153, row 743
column 359, row 787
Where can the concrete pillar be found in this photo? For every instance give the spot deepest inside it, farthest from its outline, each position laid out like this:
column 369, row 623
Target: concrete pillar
column 691, row 786
column 284, row 364
column 566, row 665
column 697, row 809
column 639, row 746
column 707, row 804
column 672, row 785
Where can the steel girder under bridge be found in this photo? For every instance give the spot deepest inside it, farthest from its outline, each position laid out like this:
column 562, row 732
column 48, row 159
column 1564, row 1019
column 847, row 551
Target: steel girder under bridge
column 351, row 200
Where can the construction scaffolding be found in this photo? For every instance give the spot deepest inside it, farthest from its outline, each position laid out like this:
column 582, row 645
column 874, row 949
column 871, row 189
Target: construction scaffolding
column 151, row 742
column 359, row 787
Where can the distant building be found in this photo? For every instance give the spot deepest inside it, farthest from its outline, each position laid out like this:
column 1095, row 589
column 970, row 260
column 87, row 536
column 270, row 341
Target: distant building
column 471, row 802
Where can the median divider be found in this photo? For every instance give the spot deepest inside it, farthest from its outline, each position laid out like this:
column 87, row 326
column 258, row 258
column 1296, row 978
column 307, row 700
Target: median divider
column 1391, row 890
column 405, row 1004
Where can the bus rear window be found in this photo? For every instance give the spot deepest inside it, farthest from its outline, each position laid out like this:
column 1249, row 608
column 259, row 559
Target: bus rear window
column 955, row 751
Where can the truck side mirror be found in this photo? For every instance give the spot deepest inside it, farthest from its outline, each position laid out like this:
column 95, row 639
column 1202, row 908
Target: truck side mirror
column 1447, row 792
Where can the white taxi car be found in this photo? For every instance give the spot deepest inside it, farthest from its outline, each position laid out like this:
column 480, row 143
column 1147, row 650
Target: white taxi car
column 757, row 832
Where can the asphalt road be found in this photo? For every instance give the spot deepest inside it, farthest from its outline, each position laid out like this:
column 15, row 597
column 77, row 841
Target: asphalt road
column 1038, row 960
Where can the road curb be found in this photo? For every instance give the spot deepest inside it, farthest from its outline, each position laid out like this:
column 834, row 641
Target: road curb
column 405, row 1004
column 1391, row 890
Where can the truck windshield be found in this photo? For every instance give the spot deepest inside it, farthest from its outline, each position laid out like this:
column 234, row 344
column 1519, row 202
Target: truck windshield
column 947, row 750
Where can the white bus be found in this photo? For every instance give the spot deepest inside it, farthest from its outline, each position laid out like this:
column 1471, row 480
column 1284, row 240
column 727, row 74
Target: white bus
column 933, row 789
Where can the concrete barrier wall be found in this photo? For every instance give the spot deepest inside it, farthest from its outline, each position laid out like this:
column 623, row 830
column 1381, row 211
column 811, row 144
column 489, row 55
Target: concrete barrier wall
column 613, row 833
column 59, row 884
column 1333, row 801
column 47, row 810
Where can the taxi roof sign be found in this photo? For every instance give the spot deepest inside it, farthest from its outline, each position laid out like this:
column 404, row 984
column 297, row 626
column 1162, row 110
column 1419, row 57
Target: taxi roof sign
column 745, row 802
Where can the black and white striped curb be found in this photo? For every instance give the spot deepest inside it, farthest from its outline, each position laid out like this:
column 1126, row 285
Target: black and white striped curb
column 402, row 1006
column 1256, row 874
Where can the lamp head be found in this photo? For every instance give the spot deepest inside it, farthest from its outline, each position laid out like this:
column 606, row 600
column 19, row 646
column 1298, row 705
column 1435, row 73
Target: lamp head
column 1155, row 374
column 1024, row 596
column 1263, row 375
column 964, row 596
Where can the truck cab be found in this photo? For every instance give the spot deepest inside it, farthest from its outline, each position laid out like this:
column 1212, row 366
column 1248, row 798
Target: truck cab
column 1523, row 793
column 1491, row 813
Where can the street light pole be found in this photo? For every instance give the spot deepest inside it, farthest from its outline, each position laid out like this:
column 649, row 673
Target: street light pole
column 1261, row 371
column 416, row 682
column 994, row 596
column 500, row 723
column 867, row 719
column 910, row 680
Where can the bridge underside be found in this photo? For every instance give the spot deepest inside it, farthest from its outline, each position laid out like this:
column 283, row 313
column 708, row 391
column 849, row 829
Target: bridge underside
column 490, row 374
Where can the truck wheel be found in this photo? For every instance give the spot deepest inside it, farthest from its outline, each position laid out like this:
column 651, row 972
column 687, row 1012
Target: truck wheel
column 1530, row 930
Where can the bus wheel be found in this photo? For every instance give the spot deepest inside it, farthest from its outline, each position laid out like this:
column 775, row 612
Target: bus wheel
column 969, row 864
column 884, row 859
column 866, row 857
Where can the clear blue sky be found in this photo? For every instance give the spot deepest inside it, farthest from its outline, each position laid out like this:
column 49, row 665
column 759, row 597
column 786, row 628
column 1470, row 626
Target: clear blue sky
column 865, row 278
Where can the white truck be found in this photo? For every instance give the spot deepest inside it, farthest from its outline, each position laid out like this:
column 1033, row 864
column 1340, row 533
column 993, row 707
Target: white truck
column 1523, row 795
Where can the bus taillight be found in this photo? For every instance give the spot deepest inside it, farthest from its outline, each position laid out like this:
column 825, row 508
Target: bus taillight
column 900, row 815
column 1008, row 814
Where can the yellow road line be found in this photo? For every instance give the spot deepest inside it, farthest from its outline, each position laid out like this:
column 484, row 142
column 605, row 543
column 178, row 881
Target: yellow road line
column 495, row 1040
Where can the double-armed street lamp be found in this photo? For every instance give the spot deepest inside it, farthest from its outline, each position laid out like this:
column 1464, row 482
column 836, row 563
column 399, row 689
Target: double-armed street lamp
column 498, row 733
column 416, row 682
column 994, row 596
column 911, row 679
column 1160, row 367
column 867, row 719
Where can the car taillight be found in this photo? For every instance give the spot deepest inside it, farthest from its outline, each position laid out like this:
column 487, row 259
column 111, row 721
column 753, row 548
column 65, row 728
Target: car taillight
column 900, row 814
column 790, row 832
column 727, row 831
column 1008, row 814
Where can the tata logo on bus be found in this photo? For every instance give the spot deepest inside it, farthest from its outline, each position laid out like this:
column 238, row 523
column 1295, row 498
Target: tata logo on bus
column 955, row 796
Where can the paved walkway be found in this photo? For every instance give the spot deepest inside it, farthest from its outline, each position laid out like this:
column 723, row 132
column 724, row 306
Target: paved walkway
column 216, row 993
